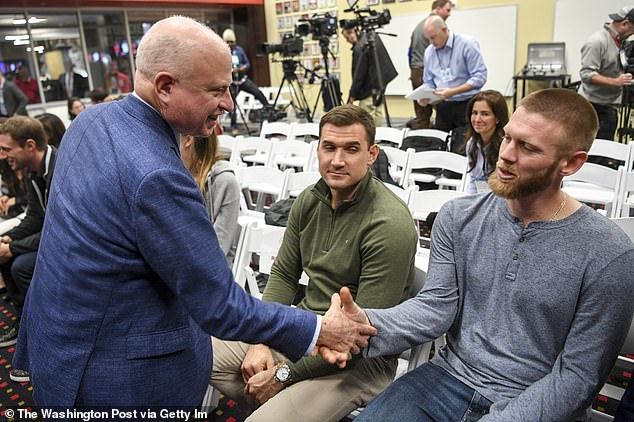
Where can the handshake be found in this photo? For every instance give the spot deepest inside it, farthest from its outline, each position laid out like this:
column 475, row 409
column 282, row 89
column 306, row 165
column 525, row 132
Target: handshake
column 345, row 330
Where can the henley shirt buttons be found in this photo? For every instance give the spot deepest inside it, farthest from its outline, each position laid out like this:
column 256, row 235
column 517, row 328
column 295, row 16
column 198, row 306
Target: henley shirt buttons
column 515, row 257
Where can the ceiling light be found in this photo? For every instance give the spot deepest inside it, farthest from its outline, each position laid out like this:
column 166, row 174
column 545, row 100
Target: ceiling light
column 16, row 37
column 20, row 42
column 32, row 19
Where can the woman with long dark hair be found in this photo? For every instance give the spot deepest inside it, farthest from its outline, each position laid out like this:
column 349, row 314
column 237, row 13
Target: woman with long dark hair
column 219, row 187
column 487, row 114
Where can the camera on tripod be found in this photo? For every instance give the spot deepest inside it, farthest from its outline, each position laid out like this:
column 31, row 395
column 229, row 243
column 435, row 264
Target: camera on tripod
column 291, row 45
column 366, row 18
column 320, row 25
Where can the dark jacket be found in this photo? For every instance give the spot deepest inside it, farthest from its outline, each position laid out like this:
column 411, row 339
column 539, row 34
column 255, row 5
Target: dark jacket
column 14, row 99
column 26, row 236
column 364, row 75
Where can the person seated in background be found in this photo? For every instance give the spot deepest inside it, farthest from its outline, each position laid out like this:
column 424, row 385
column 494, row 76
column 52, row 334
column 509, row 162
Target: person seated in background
column 13, row 199
column 28, row 85
column 240, row 80
column 54, row 128
column 23, row 140
column 346, row 230
column 12, row 100
column 116, row 82
column 97, row 95
column 534, row 321
column 219, row 187
column 487, row 114
column 75, row 106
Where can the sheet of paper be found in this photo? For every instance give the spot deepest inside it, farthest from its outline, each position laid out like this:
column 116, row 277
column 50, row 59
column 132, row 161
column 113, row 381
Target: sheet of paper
column 422, row 92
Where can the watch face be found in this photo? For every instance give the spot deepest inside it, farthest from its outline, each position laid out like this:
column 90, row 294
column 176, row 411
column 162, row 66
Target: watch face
column 283, row 373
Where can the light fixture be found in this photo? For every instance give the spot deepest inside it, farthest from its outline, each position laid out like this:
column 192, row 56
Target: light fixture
column 38, row 49
column 16, row 37
column 32, row 19
column 20, row 42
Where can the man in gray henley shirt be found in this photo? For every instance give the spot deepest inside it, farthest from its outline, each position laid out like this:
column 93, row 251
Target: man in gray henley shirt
column 533, row 289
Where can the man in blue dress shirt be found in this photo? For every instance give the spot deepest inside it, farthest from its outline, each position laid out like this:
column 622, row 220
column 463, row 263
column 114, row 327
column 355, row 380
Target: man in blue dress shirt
column 454, row 69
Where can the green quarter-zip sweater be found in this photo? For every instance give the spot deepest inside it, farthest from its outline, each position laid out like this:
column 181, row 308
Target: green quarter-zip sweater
column 367, row 243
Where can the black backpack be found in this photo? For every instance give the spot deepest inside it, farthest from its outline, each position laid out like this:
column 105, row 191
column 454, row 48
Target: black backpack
column 381, row 168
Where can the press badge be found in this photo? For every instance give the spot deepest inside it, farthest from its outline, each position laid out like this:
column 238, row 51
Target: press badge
column 446, row 75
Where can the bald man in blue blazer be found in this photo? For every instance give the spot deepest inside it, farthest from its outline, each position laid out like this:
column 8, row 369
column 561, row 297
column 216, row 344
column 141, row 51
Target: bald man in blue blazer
column 130, row 280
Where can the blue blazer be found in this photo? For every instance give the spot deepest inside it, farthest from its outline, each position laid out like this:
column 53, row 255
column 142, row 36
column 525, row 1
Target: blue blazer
column 130, row 280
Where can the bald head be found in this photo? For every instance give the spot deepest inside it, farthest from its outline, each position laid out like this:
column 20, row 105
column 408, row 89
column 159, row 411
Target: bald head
column 183, row 39
column 436, row 31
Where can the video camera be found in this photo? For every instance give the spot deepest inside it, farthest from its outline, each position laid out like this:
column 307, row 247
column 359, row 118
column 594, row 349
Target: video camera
column 319, row 25
column 366, row 18
column 291, row 45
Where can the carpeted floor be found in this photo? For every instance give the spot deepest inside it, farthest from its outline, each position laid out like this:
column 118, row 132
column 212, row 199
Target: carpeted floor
column 19, row 395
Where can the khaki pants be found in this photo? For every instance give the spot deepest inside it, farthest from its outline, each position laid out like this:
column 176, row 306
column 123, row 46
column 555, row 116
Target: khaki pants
column 322, row 399
column 423, row 114
column 375, row 112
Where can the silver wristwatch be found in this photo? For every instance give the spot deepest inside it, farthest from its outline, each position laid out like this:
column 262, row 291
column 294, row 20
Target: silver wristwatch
column 283, row 374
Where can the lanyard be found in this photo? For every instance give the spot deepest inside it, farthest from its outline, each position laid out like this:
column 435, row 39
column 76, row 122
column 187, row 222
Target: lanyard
column 450, row 56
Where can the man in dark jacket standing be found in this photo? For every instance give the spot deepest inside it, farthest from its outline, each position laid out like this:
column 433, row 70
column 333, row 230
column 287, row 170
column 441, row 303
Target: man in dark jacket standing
column 12, row 99
column 23, row 140
column 365, row 86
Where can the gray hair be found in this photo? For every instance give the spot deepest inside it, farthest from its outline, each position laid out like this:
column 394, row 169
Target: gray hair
column 171, row 45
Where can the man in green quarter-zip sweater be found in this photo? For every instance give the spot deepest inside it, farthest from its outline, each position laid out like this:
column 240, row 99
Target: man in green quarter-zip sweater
column 346, row 230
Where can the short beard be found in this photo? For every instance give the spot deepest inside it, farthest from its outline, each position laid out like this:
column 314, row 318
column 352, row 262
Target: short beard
column 522, row 187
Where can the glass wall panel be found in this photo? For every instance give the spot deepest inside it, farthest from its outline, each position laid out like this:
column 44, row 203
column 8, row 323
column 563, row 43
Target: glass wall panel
column 60, row 55
column 108, row 51
column 140, row 22
column 16, row 59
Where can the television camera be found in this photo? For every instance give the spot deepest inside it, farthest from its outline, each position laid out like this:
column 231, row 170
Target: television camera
column 291, row 45
column 366, row 18
column 320, row 25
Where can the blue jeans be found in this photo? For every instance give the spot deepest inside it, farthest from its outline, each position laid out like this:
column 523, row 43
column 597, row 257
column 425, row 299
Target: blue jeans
column 428, row 393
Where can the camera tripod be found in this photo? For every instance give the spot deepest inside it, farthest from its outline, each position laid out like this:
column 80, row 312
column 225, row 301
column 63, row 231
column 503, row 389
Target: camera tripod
column 329, row 89
column 233, row 89
column 298, row 98
column 370, row 48
column 624, row 130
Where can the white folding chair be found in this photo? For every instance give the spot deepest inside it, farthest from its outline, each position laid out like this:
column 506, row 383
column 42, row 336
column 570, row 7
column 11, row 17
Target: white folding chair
column 427, row 201
column 595, row 184
column 226, row 145
column 436, row 160
column 260, row 239
column 424, row 202
column 399, row 162
column 279, row 130
column 458, row 164
column 307, row 132
column 252, row 150
column 313, row 165
column 297, row 182
column 291, row 153
column 625, row 197
column 403, row 194
column 614, row 151
column 393, row 136
column 433, row 133
column 261, row 181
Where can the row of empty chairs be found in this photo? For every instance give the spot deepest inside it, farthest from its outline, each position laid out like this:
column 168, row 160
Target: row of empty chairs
column 601, row 183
